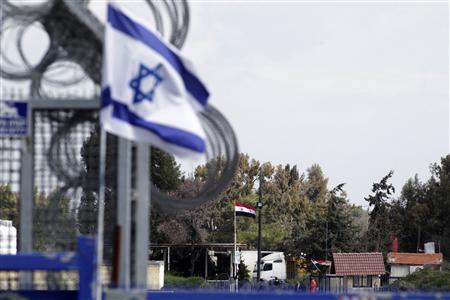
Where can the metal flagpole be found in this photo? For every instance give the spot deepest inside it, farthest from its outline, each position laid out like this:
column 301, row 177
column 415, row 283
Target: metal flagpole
column 234, row 254
column 100, row 213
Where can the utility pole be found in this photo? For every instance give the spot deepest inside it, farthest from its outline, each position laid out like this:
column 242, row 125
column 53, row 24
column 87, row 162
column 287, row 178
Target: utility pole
column 259, row 205
column 326, row 240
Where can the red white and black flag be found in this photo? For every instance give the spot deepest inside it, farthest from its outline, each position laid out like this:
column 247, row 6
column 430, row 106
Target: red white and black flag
column 244, row 210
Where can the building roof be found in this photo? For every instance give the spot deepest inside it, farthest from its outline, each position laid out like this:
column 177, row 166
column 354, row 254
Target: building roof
column 348, row 264
column 414, row 259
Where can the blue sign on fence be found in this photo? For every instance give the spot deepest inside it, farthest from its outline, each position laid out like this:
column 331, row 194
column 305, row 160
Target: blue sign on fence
column 13, row 118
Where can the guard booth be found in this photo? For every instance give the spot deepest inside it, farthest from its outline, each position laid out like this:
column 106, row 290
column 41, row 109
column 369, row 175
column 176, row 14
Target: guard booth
column 212, row 256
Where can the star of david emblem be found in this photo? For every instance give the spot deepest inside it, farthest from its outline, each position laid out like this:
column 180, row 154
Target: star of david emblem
column 145, row 83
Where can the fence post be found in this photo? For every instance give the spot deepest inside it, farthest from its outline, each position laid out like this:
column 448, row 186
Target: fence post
column 26, row 197
column 124, row 211
column 87, row 267
column 141, row 239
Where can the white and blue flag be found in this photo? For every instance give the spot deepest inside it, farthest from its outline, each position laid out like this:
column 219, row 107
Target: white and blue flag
column 150, row 93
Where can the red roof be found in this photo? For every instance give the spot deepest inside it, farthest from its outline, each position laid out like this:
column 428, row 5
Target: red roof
column 348, row 264
column 414, row 259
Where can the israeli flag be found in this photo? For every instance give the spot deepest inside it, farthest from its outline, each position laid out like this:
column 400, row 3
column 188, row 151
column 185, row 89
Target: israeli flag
column 150, row 93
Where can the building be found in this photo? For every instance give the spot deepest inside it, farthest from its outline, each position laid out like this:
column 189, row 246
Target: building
column 402, row 264
column 352, row 272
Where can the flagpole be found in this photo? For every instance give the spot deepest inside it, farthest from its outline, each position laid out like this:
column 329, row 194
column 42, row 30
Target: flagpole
column 234, row 254
column 100, row 213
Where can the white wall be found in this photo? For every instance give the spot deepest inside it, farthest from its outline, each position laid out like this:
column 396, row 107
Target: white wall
column 399, row 270
column 155, row 277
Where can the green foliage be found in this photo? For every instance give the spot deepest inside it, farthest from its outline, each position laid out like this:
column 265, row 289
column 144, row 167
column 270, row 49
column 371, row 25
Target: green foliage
column 421, row 212
column 427, row 279
column 341, row 228
column 54, row 223
column 298, row 209
column 9, row 205
column 379, row 232
column 316, row 185
column 179, row 281
column 54, row 226
column 165, row 172
column 243, row 272
column 295, row 212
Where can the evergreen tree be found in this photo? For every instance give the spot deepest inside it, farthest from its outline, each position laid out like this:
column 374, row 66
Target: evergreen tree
column 243, row 272
column 379, row 233
column 341, row 229
column 316, row 184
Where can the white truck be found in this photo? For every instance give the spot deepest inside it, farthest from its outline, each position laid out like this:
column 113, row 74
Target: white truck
column 273, row 264
column 8, row 238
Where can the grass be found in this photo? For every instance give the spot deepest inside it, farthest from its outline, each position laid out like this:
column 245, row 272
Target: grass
column 179, row 281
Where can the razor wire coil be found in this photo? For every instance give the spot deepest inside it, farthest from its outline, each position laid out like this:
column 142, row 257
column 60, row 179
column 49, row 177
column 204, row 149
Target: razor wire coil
column 73, row 56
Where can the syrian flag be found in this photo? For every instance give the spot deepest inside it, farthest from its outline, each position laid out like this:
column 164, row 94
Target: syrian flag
column 321, row 262
column 150, row 92
column 244, row 210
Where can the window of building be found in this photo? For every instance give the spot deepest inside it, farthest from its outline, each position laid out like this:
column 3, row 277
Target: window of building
column 362, row 281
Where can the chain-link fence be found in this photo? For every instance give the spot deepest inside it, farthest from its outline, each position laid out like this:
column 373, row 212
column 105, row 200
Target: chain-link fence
column 65, row 151
column 60, row 139
column 10, row 171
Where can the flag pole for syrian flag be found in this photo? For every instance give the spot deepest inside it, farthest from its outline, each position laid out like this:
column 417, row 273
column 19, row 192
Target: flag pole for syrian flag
column 234, row 254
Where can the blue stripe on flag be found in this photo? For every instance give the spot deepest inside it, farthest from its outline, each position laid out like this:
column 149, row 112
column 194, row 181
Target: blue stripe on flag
column 123, row 23
column 168, row 134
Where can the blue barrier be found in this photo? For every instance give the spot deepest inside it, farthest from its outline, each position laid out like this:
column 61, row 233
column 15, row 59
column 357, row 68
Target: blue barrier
column 83, row 261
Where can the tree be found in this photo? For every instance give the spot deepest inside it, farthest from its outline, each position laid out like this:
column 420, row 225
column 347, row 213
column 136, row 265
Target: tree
column 9, row 205
column 316, row 184
column 220, row 211
column 438, row 203
column 53, row 219
column 360, row 221
column 379, row 232
column 243, row 272
column 165, row 171
column 408, row 214
column 421, row 212
column 341, row 229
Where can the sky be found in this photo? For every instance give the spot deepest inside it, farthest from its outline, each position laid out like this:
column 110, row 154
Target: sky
column 358, row 87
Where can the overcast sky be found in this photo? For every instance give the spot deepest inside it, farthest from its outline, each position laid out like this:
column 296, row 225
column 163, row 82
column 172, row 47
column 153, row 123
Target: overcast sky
column 359, row 88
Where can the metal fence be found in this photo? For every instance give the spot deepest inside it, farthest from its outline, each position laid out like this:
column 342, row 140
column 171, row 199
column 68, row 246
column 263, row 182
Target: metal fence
column 60, row 178
column 64, row 171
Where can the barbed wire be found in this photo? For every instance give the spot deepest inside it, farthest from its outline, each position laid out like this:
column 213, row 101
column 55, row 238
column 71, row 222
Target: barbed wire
column 73, row 56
